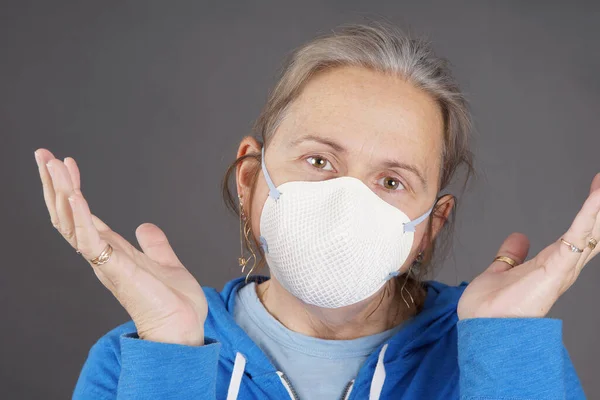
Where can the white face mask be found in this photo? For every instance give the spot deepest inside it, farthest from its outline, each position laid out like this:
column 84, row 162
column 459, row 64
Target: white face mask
column 333, row 243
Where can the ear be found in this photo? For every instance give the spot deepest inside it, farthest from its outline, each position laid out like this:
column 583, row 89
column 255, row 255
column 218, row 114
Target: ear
column 441, row 213
column 247, row 167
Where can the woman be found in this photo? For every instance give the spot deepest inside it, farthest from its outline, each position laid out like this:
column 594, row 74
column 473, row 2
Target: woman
column 341, row 196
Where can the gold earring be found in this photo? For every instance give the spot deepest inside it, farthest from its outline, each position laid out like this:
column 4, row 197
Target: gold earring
column 403, row 288
column 244, row 232
column 418, row 261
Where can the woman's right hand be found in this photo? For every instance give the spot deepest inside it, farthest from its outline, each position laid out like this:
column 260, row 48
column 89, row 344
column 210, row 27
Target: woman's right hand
column 163, row 299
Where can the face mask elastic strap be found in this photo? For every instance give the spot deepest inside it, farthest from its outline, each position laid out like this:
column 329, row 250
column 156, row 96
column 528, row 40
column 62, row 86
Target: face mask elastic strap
column 273, row 192
column 410, row 226
column 263, row 244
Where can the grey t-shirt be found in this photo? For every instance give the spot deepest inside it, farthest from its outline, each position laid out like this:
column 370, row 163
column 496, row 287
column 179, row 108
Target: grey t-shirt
column 317, row 368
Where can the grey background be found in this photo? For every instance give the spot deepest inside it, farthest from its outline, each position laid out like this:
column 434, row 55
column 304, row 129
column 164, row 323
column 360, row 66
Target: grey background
column 152, row 98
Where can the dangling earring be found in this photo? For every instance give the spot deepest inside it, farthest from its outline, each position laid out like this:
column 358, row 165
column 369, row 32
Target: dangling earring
column 244, row 232
column 418, row 260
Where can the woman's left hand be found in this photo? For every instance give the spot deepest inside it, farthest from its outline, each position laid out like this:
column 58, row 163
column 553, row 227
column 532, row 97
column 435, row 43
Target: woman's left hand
column 531, row 288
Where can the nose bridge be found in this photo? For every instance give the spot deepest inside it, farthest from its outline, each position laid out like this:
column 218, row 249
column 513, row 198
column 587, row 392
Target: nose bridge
column 361, row 160
column 360, row 166
column 360, row 175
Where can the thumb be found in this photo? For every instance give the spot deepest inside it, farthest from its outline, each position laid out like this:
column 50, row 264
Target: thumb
column 515, row 246
column 595, row 183
column 155, row 245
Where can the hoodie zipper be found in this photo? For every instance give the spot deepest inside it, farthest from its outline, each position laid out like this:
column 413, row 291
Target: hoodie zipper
column 288, row 386
column 294, row 395
column 347, row 390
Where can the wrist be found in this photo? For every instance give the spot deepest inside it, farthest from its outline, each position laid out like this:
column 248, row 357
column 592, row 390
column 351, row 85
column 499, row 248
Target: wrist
column 196, row 339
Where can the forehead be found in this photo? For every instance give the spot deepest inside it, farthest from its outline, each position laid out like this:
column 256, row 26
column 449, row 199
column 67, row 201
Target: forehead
column 371, row 112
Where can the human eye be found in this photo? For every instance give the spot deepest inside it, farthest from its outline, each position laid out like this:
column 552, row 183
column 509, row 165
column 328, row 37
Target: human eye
column 319, row 163
column 391, row 184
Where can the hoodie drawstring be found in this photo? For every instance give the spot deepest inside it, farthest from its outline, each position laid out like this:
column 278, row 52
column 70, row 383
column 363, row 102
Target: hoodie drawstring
column 236, row 376
column 378, row 376
column 240, row 363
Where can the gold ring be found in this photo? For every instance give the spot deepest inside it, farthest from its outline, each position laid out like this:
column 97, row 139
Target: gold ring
column 507, row 260
column 574, row 248
column 103, row 257
column 592, row 243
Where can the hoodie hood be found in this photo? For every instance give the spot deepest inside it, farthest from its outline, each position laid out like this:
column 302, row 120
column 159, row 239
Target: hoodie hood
column 390, row 368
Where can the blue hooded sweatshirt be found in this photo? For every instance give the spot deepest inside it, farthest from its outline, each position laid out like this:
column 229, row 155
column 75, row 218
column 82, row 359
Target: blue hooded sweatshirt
column 434, row 356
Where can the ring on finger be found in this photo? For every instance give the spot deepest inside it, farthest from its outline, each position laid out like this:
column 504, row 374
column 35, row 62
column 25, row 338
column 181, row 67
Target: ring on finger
column 104, row 256
column 507, row 260
column 573, row 248
column 592, row 243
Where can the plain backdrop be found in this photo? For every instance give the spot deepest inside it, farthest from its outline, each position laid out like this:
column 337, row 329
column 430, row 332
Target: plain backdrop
column 152, row 98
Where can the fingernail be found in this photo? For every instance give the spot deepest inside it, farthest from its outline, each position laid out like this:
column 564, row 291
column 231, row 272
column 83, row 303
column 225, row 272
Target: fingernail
column 37, row 158
column 49, row 168
column 71, row 200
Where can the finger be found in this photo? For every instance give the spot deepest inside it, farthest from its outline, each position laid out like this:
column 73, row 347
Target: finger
column 578, row 234
column 63, row 189
column 99, row 224
column 592, row 248
column 515, row 246
column 591, row 253
column 134, row 287
column 90, row 243
column 155, row 245
column 76, row 182
column 595, row 183
column 42, row 157
column 74, row 174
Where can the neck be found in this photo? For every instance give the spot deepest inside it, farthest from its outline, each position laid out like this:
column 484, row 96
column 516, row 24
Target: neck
column 380, row 312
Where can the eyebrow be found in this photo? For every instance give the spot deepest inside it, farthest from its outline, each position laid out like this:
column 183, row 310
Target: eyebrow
column 339, row 148
column 312, row 138
column 407, row 167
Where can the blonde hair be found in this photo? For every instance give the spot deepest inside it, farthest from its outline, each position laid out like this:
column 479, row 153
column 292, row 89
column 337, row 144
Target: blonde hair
column 384, row 48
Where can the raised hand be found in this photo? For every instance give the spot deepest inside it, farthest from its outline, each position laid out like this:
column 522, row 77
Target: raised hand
column 531, row 288
column 163, row 299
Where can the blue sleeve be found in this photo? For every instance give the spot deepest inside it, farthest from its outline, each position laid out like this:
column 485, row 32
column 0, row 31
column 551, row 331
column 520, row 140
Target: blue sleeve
column 122, row 366
column 516, row 359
